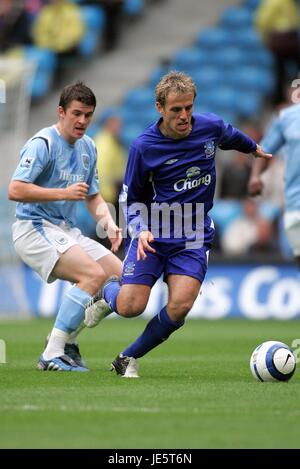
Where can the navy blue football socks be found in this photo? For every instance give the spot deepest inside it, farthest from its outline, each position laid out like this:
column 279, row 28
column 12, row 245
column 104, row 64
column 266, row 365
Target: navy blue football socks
column 110, row 293
column 157, row 330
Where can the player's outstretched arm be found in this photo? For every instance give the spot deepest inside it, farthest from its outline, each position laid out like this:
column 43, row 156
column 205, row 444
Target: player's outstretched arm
column 255, row 183
column 100, row 211
column 260, row 153
column 21, row 191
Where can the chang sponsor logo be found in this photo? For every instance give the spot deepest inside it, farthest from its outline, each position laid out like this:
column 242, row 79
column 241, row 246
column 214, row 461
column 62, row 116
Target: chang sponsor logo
column 193, row 171
column 188, row 183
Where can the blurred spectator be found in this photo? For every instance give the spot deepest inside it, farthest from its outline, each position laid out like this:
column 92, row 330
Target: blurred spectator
column 234, row 177
column 249, row 232
column 283, row 135
column 59, row 26
column 273, row 181
column 113, row 13
column 234, row 168
column 32, row 8
column 14, row 27
column 277, row 21
column 111, row 157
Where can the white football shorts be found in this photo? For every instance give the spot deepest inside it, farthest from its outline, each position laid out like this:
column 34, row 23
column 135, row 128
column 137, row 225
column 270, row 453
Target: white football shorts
column 40, row 244
column 291, row 222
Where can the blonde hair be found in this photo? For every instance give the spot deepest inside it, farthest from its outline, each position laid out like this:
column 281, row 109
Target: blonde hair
column 177, row 82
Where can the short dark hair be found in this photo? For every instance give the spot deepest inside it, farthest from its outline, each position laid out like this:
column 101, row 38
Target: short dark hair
column 78, row 92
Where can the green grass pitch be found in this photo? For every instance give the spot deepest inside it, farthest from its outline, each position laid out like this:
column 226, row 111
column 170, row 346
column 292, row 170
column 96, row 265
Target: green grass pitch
column 195, row 390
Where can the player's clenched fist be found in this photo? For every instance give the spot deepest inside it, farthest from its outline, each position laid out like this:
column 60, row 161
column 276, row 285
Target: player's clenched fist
column 77, row 191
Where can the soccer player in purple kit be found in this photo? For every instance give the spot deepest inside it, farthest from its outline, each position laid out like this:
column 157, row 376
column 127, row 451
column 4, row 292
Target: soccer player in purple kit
column 171, row 168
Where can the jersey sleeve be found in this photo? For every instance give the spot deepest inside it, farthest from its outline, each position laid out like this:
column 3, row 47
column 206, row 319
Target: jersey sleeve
column 273, row 139
column 234, row 139
column 131, row 196
column 34, row 157
column 93, row 180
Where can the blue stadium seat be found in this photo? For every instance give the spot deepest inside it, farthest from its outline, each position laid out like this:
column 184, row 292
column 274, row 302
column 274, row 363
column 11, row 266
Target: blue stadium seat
column 190, row 58
column 141, row 117
column 222, row 98
column 248, row 39
column 134, row 7
column 129, row 132
column 41, row 84
column 90, row 43
column 139, row 97
column 251, row 78
column 237, row 18
column 156, row 74
column 224, row 212
column 45, row 61
column 94, row 16
column 214, row 38
column 259, row 57
column 228, row 115
column 228, row 57
column 249, row 104
column 207, row 77
column 95, row 19
column 227, row 100
column 251, row 4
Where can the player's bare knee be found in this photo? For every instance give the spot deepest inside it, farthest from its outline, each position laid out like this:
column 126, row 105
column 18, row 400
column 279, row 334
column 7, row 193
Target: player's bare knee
column 132, row 300
column 130, row 308
column 94, row 278
column 178, row 311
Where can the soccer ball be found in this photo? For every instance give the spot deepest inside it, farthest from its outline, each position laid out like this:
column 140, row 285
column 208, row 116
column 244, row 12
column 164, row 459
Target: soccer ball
column 272, row 361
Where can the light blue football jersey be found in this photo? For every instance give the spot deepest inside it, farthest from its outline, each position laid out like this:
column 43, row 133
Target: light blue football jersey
column 284, row 132
column 49, row 161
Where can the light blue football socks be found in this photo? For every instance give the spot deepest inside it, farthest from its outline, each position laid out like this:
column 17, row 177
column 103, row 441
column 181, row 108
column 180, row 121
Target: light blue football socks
column 71, row 312
column 69, row 317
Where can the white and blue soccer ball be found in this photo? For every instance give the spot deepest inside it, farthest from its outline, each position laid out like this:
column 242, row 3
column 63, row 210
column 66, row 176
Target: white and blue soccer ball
column 272, row 361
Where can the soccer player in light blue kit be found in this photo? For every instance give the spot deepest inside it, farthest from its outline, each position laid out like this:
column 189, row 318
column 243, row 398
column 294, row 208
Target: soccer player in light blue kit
column 57, row 168
column 284, row 132
column 172, row 162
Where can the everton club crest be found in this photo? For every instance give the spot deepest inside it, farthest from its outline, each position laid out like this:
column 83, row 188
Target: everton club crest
column 209, row 149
